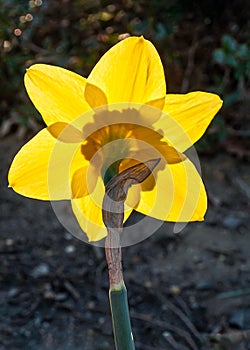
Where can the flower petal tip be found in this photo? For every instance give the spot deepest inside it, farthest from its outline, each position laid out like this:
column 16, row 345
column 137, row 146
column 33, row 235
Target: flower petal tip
column 30, row 68
column 217, row 100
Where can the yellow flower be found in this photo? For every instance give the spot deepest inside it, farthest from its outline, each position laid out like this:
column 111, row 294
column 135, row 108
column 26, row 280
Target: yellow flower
column 119, row 115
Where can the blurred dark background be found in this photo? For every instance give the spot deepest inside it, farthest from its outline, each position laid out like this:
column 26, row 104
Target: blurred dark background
column 204, row 45
column 186, row 291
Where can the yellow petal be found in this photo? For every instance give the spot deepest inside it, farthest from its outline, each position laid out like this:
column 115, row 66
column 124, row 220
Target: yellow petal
column 57, row 93
column 75, row 157
column 187, row 117
column 79, row 183
column 41, row 169
column 95, row 96
column 156, row 104
column 65, row 132
column 88, row 211
column 28, row 174
column 133, row 198
column 131, row 71
column 179, row 195
column 83, row 181
column 89, row 217
column 154, row 145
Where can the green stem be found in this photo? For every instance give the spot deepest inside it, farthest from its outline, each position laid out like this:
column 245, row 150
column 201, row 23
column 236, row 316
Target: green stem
column 120, row 318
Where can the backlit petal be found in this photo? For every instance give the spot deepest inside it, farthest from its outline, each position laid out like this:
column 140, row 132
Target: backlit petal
column 79, row 183
column 95, row 96
column 28, row 173
column 157, row 104
column 151, row 111
column 187, row 117
column 179, row 195
column 57, row 93
column 155, row 145
column 88, row 211
column 83, row 181
column 131, row 71
column 41, row 169
column 65, row 132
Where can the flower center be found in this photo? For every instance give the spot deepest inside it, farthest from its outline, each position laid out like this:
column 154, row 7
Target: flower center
column 115, row 139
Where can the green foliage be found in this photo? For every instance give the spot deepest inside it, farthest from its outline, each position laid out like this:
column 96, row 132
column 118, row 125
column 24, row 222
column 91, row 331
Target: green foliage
column 234, row 55
column 234, row 60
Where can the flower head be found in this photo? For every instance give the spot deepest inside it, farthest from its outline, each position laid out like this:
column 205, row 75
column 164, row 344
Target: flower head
column 99, row 126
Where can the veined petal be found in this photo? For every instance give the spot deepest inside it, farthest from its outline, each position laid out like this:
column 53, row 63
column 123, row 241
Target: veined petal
column 83, row 181
column 155, row 145
column 156, row 104
column 151, row 111
column 131, row 71
column 57, row 93
column 28, row 174
column 77, row 159
column 179, row 195
column 79, row 183
column 187, row 117
column 41, row 169
column 89, row 217
column 95, row 96
column 133, row 197
column 65, row 132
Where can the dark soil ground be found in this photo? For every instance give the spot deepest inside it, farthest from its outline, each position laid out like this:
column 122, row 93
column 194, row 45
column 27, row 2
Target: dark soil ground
column 186, row 291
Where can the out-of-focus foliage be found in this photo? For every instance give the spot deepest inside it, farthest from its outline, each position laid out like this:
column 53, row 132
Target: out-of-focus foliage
column 234, row 59
column 203, row 45
column 231, row 82
column 72, row 34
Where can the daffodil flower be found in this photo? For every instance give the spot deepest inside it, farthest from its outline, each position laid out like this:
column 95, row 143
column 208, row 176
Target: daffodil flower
column 102, row 125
